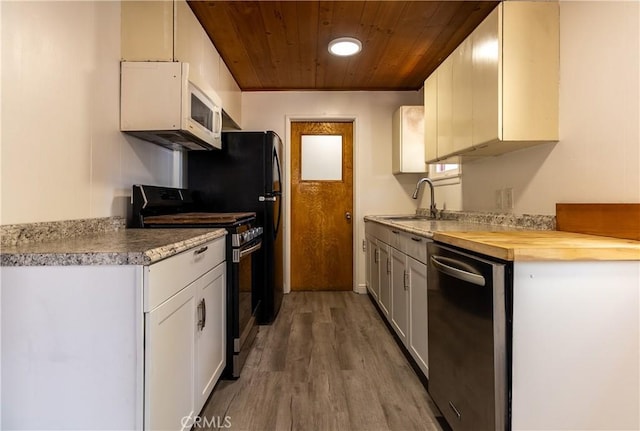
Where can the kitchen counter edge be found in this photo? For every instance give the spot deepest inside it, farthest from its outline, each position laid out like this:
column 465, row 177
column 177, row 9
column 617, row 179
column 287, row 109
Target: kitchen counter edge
column 123, row 247
column 515, row 244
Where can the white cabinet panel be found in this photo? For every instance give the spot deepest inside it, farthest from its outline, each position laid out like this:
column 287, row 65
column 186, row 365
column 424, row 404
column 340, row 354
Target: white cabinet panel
column 372, row 267
column 445, row 108
column 462, row 104
column 431, row 117
column 170, row 362
column 72, row 353
column 146, row 32
column 400, row 295
column 384, row 264
column 407, row 141
column 210, row 332
column 418, row 327
column 486, row 91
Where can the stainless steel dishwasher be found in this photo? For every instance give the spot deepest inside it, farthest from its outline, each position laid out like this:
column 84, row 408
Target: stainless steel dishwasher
column 469, row 321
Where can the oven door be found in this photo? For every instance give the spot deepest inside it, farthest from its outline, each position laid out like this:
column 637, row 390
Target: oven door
column 241, row 292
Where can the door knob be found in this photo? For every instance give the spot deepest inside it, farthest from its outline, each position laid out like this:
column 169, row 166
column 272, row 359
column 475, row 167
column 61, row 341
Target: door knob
column 347, row 215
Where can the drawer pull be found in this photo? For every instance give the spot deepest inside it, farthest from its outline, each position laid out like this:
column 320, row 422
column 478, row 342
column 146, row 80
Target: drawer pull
column 416, row 238
column 202, row 314
column 396, row 231
column 201, row 250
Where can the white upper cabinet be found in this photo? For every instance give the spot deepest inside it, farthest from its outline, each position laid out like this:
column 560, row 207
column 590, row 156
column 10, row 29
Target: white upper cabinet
column 147, row 30
column 498, row 91
column 408, row 140
column 431, row 116
column 462, row 98
column 169, row 31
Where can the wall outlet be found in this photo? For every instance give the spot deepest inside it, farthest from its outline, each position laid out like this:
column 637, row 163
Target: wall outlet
column 507, row 198
column 498, row 203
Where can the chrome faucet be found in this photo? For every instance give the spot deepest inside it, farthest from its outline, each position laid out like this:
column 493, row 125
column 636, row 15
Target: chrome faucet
column 432, row 208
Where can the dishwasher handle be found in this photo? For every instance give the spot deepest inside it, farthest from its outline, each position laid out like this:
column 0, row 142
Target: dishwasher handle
column 463, row 271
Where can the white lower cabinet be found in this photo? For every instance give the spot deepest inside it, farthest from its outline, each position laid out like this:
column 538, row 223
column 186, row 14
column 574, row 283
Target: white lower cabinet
column 372, row 271
column 113, row 346
column 400, row 295
column 396, row 267
column 418, row 346
column 210, row 331
column 170, row 359
column 384, row 267
column 184, row 352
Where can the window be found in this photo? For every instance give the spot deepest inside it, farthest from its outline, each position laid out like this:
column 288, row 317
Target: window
column 445, row 171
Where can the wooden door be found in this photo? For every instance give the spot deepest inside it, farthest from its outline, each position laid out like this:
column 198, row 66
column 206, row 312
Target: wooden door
column 321, row 206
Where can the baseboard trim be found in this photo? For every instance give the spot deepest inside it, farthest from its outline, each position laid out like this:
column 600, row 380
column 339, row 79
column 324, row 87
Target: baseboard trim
column 361, row 289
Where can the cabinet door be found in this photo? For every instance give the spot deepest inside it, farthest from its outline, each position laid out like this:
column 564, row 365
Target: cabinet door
column 418, row 346
column 462, row 96
column 445, row 108
column 230, row 94
column 193, row 46
column 372, row 269
column 485, row 55
column 431, row 117
column 210, row 331
column 169, row 388
column 146, row 32
column 399, row 295
column 384, row 266
column 407, row 141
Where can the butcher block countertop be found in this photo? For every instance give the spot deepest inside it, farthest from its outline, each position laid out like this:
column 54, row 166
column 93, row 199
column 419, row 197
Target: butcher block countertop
column 519, row 245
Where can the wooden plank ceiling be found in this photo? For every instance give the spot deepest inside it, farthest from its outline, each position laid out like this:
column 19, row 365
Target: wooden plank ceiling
column 282, row 45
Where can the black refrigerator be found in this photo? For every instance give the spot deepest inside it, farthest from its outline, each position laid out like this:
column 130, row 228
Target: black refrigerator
column 246, row 175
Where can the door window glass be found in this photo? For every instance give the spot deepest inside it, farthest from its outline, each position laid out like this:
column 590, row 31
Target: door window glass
column 321, row 158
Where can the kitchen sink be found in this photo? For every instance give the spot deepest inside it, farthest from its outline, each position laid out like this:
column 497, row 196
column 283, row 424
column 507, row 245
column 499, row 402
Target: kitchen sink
column 406, row 218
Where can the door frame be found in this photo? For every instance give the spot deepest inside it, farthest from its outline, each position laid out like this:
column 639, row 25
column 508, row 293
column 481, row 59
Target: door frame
column 356, row 205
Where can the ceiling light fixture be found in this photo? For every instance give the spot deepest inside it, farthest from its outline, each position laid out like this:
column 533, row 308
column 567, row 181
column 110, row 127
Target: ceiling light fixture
column 345, row 46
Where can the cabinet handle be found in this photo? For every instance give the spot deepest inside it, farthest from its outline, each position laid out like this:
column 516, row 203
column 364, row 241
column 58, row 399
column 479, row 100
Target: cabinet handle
column 376, row 256
column 406, row 280
column 204, row 314
column 201, row 250
column 395, row 232
column 199, row 316
column 388, row 266
column 416, row 238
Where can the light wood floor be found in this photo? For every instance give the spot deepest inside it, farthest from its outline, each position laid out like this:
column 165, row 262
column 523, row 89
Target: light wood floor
column 327, row 363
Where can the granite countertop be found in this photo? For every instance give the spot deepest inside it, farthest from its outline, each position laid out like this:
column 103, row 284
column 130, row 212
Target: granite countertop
column 516, row 243
column 427, row 227
column 121, row 247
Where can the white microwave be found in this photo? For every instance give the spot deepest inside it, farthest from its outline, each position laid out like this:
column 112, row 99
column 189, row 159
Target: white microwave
column 158, row 103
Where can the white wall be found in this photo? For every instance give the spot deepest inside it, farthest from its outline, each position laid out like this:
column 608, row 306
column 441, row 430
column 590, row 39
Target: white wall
column 598, row 156
column 376, row 189
column 62, row 154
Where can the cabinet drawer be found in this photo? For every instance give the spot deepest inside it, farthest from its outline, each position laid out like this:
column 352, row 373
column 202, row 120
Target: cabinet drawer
column 167, row 277
column 378, row 231
column 416, row 247
column 398, row 239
